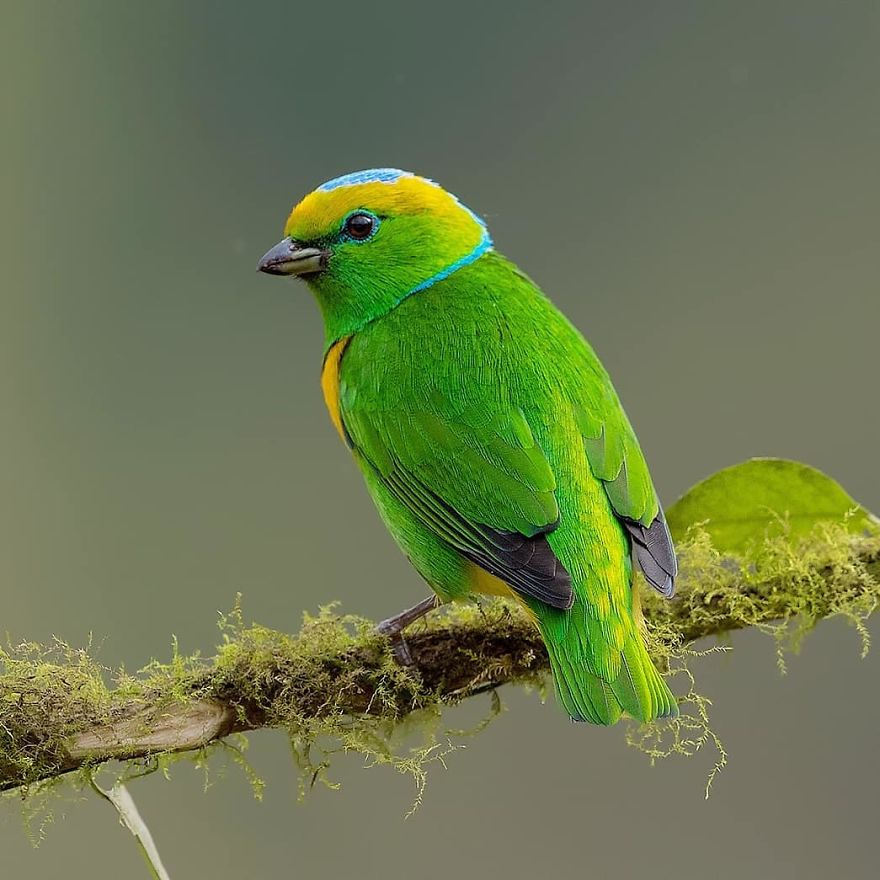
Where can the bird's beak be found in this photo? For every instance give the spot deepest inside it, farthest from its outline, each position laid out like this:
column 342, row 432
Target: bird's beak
column 289, row 258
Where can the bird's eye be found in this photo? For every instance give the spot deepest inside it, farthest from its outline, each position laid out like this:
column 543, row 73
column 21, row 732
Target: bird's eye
column 360, row 226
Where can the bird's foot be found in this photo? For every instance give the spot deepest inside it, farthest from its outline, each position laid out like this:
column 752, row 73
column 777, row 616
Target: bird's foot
column 400, row 650
column 393, row 627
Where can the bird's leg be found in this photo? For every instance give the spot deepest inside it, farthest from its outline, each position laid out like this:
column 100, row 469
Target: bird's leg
column 393, row 628
column 394, row 625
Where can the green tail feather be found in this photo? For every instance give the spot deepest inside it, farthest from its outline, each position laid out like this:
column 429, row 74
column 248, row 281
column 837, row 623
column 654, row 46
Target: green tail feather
column 585, row 696
column 638, row 689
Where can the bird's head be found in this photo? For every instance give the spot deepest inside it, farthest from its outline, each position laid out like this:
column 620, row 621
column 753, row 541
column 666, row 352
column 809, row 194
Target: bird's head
column 366, row 241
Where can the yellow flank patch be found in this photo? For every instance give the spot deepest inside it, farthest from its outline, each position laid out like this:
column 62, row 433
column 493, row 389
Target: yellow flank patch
column 321, row 211
column 488, row 585
column 330, row 382
column 638, row 617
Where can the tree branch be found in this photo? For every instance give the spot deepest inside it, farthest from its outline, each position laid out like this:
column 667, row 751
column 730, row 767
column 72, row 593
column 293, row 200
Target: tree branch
column 57, row 715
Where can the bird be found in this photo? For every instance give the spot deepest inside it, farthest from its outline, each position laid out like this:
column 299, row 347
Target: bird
column 489, row 434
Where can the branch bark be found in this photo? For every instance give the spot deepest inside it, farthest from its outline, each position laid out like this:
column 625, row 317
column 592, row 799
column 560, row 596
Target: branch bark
column 339, row 668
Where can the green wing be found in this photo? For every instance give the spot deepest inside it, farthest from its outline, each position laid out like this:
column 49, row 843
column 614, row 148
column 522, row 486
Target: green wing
column 471, row 474
column 616, row 459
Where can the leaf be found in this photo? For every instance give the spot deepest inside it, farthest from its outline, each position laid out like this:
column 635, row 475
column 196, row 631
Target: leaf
column 739, row 503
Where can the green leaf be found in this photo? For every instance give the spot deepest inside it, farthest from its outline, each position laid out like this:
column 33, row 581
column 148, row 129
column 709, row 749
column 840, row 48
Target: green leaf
column 739, row 503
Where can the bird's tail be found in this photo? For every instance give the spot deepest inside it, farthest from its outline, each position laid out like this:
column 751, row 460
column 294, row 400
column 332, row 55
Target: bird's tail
column 637, row 688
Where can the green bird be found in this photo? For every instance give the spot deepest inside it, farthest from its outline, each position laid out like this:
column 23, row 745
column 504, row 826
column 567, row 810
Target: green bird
column 489, row 434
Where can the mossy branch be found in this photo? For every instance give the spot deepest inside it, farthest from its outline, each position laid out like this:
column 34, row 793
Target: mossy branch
column 58, row 714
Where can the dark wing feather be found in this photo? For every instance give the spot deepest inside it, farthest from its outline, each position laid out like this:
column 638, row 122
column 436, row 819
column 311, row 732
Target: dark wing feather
column 654, row 552
column 526, row 563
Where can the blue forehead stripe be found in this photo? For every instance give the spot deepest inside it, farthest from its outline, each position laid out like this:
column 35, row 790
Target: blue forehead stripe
column 387, row 175
column 371, row 175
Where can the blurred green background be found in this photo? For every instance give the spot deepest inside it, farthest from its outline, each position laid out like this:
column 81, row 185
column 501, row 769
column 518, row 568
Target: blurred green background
column 695, row 184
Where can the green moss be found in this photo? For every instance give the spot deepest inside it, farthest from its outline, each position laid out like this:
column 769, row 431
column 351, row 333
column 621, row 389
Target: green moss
column 336, row 687
column 783, row 588
column 45, row 692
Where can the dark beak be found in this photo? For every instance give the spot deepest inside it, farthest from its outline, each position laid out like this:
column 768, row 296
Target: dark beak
column 289, row 258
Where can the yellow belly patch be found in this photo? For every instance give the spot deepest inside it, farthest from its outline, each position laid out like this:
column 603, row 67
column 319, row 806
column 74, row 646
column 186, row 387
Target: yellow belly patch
column 488, row 585
column 330, row 382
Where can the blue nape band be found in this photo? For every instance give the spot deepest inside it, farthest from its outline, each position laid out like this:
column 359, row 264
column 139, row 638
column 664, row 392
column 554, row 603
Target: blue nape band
column 484, row 245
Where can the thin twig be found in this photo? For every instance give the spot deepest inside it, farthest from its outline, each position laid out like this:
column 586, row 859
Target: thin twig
column 129, row 816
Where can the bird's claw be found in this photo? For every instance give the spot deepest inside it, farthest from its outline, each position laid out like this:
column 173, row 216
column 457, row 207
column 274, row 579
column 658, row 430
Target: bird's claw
column 400, row 650
column 393, row 631
column 393, row 627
